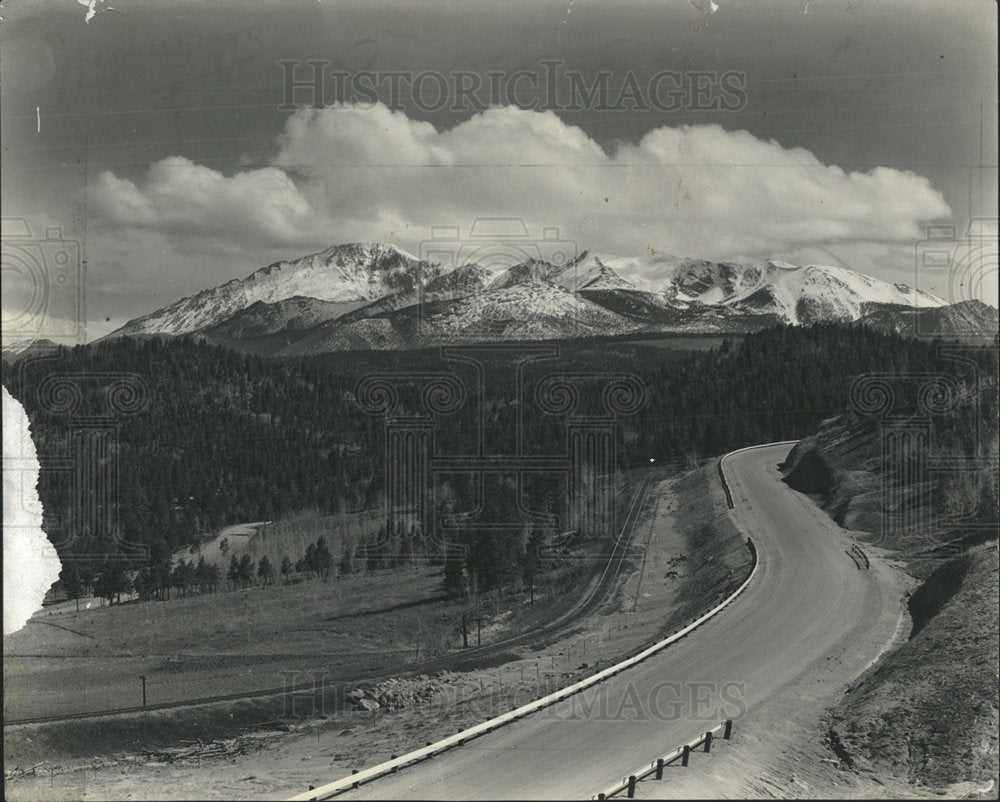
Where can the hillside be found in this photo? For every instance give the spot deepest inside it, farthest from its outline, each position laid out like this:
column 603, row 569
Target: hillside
column 499, row 315
column 965, row 320
column 927, row 713
column 920, row 498
column 224, row 438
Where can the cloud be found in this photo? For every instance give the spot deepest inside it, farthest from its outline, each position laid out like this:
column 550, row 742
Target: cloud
column 182, row 197
column 348, row 173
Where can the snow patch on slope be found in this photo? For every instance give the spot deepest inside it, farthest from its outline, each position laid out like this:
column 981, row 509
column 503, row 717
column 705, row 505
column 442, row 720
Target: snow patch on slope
column 803, row 295
column 341, row 274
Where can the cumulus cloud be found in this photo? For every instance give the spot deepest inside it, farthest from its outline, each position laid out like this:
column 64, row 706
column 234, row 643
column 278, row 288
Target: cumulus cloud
column 348, row 173
column 183, row 197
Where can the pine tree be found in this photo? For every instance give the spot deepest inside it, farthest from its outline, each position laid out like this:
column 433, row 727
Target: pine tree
column 323, row 559
column 111, row 582
column 347, row 559
column 309, row 560
column 265, row 571
column 214, row 574
column 244, row 570
column 456, row 580
column 72, row 583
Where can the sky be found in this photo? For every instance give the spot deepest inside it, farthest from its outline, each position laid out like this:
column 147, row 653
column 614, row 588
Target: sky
column 158, row 138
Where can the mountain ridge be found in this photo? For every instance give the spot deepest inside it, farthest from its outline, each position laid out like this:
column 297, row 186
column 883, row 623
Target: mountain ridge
column 376, row 295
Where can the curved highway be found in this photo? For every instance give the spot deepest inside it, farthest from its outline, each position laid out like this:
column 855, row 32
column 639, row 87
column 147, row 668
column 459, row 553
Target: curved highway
column 808, row 600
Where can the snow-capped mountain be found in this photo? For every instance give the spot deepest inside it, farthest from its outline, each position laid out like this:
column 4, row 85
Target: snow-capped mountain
column 814, row 293
column 378, row 296
column 533, row 309
column 295, row 314
column 797, row 295
column 969, row 320
column 587, row 271
column 342, row 274
column 457, row 283
column 591, row 272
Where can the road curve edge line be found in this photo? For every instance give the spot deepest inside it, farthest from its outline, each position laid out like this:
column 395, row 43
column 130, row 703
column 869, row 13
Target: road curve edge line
column 348, row 782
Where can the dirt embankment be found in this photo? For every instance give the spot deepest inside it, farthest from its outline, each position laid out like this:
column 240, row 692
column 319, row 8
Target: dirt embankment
column 839, row 469
column 928, row 715
column 717, row 557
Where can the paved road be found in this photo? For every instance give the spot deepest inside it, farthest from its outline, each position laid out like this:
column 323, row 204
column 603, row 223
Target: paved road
column 808, row 601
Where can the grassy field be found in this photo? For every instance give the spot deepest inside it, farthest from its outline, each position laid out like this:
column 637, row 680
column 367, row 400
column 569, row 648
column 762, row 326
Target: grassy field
column 236, row 641
column 225, row 642
column 285, row 538
column 66, row 661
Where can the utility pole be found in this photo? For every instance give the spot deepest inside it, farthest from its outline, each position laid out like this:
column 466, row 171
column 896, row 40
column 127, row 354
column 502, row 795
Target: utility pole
column 465, row 632
column 143, row 678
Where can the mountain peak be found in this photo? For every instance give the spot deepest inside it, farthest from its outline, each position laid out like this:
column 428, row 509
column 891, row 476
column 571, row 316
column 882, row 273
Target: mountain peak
column 341, row 274
column 364, row 284
column 366, row 249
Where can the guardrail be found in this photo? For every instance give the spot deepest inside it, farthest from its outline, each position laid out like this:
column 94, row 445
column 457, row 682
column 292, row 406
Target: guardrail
column 459, row 739
column 393, row 765
column 725, row 485
column 682, row 752
column 724, row 457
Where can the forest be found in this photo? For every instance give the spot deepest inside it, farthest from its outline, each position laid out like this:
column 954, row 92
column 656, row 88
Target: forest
column 192, row 437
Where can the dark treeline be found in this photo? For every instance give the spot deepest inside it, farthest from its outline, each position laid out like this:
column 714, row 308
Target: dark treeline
column 225, row 438
column 109, row 580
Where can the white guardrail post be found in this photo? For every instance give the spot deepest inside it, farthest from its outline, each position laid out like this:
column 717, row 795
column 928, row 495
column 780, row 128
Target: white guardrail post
column 628, row 784
column 393, row 765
